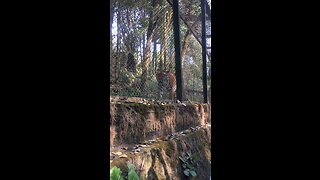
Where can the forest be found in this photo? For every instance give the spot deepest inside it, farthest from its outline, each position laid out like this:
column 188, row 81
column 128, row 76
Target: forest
column 142, row 45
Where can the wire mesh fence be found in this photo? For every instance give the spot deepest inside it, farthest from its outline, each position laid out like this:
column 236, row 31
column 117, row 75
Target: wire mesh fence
column 143, row 53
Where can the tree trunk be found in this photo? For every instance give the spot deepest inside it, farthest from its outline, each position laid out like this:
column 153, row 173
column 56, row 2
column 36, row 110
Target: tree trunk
column 112, row 7
column 184, row 48
column 160, row 61
column 167, row 20
column 154, row 59
column 185, row 44
column 130, row 33
column 117, row 63
column 147, row 57
column 147, row 52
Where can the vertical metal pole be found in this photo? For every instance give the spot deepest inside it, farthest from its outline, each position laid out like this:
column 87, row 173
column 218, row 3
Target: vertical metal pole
column 204, row 51
column 176, row 31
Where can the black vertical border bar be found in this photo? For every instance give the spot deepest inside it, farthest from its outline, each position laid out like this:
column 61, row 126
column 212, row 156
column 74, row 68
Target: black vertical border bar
column 176, row 31
column 204, row 51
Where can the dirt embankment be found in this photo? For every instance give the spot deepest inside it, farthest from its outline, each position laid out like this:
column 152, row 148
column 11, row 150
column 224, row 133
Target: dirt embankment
column 174, row 130
column 161, row 161
column 132, row 123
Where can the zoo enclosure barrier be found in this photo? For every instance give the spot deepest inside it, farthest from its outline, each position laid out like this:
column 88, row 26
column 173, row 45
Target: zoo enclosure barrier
column 152, row 37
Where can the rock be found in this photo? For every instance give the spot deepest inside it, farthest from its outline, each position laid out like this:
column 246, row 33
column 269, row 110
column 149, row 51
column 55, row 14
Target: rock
column 162, row 138
column 137, row 150
column 170, row 137
column 123, row 156
column 118, row 153
column 187, row 131
column 124, row 148
column 143, row 145
column 123, row 98
column 145, row 142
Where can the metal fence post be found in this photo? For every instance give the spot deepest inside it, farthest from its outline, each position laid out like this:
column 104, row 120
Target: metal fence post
column 176, row 31
column 204, row 51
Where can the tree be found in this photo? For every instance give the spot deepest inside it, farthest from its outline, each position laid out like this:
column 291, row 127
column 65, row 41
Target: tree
column 167, row 21
column 147, row 52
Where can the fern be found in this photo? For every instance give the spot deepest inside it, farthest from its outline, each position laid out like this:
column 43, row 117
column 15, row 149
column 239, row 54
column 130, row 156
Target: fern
column 132, row 175
column 115, row 174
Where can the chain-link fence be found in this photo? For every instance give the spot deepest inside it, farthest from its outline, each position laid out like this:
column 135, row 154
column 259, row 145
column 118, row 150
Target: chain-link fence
column 142, row 49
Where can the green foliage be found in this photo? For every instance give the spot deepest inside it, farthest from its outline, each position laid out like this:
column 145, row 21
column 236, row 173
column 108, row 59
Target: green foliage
column 193, row 173
column 187, row 165
column 127, row 77
column 115, row 174
column 132, row 175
